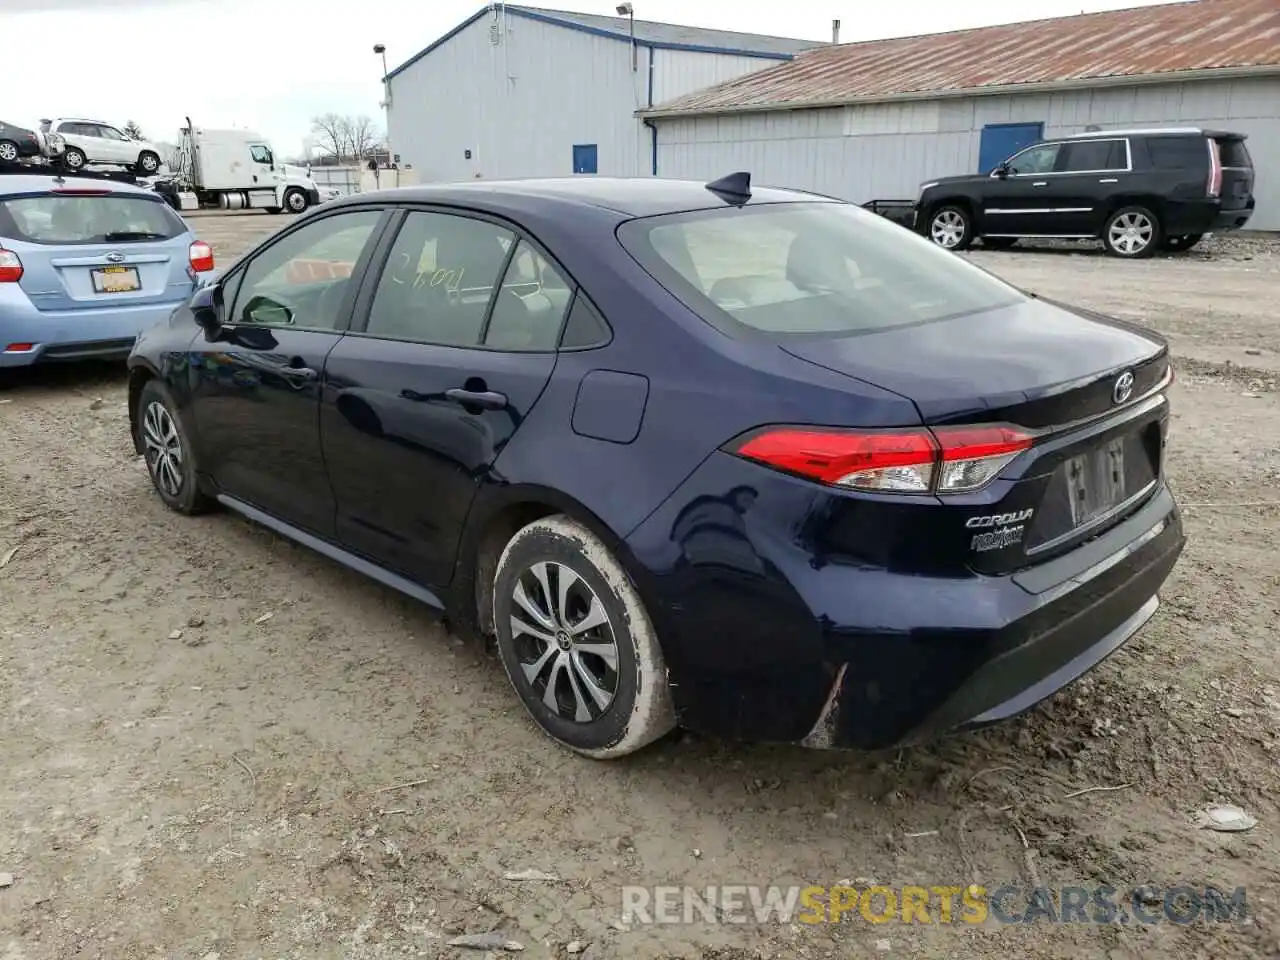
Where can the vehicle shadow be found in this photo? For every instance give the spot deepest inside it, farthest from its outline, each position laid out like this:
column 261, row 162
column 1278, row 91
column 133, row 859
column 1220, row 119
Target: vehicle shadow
column 83, row 376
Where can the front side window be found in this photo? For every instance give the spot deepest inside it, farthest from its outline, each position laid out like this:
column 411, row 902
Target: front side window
column 302, row 280
column 439, row 279
column 807, row 268
column 1035, row 160
column 111, row 133
column 71, row 218
column 260, row 153
column 1096, row 155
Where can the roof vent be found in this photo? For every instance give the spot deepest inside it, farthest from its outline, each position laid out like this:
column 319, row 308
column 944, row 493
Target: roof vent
column 734, row 189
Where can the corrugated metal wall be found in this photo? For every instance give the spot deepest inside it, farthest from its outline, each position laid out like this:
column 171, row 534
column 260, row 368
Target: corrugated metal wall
column 885, row 151
column 520, row 105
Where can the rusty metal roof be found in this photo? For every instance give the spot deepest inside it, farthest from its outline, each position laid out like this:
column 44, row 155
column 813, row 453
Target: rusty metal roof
column 1119, row 46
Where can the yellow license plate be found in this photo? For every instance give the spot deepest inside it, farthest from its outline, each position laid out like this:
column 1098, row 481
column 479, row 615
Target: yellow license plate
column 116, row 280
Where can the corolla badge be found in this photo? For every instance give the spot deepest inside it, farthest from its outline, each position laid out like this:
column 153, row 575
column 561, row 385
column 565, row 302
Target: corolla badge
column 1123, row 389
column 116, row 257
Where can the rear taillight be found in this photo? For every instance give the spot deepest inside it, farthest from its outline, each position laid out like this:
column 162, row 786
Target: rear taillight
column 201, row 257
column 1214, row 186
column 10, row 266
column 917, row 461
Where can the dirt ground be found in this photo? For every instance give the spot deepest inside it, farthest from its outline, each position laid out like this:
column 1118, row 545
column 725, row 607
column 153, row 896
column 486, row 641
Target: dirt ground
column 200, row 719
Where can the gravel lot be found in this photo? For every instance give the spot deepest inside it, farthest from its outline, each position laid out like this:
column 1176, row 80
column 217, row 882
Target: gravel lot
column 199, row 717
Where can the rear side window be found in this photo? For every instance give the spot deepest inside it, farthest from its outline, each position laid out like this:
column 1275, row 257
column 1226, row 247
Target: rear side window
column 808, row 268
column 1178, row 153
column 1089, row 155
column 70, row 219
column 1234, row 153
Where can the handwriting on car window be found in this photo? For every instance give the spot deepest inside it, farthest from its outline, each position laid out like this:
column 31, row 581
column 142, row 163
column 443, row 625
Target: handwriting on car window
column 450, row 278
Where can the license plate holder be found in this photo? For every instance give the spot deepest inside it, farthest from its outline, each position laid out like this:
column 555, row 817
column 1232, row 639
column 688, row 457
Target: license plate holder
column 116, row 279
column 1096, row 481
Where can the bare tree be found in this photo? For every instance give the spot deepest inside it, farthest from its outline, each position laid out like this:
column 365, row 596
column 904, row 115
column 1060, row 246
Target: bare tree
column 330, row 132
column 344, row 137
column 131, row 129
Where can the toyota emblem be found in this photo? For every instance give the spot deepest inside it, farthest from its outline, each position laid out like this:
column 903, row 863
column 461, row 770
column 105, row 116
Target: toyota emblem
column 1123, row 389
column 116, row 257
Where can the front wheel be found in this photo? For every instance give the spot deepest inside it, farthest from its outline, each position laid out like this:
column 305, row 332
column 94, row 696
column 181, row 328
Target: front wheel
column 576, row 642
column 167, row 448
column 1180, row 243
column 148, row 162
column 951, row 228
column 1131, row 233
column 295, row 201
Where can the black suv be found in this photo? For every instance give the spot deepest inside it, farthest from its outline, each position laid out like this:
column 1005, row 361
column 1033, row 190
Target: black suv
column 1138, row 191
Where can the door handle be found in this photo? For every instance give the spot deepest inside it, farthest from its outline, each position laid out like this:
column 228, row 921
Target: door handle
column 1109, row 180
column 1041, row 183
column 297, row 369
column 486, row 399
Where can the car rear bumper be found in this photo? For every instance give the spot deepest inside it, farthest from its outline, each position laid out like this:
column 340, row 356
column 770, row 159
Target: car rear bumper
column 766, row 641
column 1205, row 216
column 102, row 332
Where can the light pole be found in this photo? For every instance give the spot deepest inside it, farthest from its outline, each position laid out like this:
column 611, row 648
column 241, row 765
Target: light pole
column 380, row 49
column 627, row 10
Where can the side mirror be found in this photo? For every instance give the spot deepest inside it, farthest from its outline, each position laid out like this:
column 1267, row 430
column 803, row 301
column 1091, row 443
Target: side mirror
column 205, row 308
column 1002, row 171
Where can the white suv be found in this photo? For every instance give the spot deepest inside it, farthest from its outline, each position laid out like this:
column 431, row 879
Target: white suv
column 91, row 141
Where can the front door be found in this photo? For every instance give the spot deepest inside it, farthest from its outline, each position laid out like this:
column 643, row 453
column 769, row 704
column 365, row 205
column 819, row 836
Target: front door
column 114, row 146
column 256, row 388
column 1018, row 204
column 454, row 348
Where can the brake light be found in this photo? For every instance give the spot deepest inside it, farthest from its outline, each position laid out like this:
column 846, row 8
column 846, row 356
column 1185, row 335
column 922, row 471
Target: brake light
column 201, row 257
column 81, row 192
column 1214, row 187
column 10, row 266
column 916, row 461
column 19, row 348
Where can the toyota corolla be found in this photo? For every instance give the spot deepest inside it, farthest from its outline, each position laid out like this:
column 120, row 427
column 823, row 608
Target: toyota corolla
column 750, row 461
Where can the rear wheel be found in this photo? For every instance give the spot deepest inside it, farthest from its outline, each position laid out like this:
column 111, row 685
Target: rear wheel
column 8, row 151
column 576, row 642
column 999, row 243
column 1132, row 232
column 1182, row 242
column 951, row 228
column 167, row 448
column 74, row 158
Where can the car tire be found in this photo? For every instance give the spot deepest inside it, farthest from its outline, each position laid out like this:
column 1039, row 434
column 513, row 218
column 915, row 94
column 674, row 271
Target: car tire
column 1181, row 242
column 148, row 162
column 168, row 451
column 1132, row 233
column 951, row 227
column 295, row 200
column 74, row 158
column 610, row 700
column 9, row 152
column 999, row 243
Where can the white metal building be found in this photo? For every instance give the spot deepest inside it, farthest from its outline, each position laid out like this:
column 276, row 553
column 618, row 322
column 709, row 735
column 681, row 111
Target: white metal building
column 517, row 91
column 873, row 120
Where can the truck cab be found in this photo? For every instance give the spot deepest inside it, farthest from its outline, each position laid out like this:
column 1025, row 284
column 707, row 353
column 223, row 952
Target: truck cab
column 238, row 170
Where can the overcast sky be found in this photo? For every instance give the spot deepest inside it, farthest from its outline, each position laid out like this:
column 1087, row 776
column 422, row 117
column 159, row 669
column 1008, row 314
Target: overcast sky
column 271, row 65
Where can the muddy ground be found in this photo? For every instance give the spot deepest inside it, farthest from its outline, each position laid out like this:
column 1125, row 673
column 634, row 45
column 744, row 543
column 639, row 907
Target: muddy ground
column 200, row 718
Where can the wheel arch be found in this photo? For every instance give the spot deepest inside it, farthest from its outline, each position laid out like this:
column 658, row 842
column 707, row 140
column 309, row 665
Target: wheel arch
column 1134, row 199
column 139, row 375
column 493, row 520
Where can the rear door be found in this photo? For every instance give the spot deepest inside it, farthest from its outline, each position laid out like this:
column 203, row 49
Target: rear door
column 255, row 389
column 451, row 347
column 90, row 248
column 1088, row 174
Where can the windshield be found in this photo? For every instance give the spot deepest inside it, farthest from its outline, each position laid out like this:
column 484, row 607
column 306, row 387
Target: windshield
column 115, row 218
column 808, row 268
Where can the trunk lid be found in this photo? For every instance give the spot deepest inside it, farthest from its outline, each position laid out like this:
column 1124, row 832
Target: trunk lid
column 1089, row 389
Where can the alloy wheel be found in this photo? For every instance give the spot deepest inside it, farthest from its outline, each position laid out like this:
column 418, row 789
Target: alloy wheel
column 1131, row 233
column 947, row 229
column 163, row 447
column 564, row 642
column 74, row 159
column 8, row 151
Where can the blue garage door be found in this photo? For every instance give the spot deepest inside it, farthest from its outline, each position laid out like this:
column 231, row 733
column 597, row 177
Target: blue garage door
column 1000, row 141
column 584, row 158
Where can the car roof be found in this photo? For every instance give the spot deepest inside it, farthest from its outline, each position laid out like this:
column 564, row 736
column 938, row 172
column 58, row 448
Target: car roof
column 629, row 196
column 11, row 185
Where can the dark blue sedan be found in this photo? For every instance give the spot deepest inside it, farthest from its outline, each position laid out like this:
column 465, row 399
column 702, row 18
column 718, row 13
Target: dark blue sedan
column 753, row 462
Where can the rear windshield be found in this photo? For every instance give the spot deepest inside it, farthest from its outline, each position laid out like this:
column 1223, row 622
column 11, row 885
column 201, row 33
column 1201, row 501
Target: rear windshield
column 88, row 219
column 808, row 268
